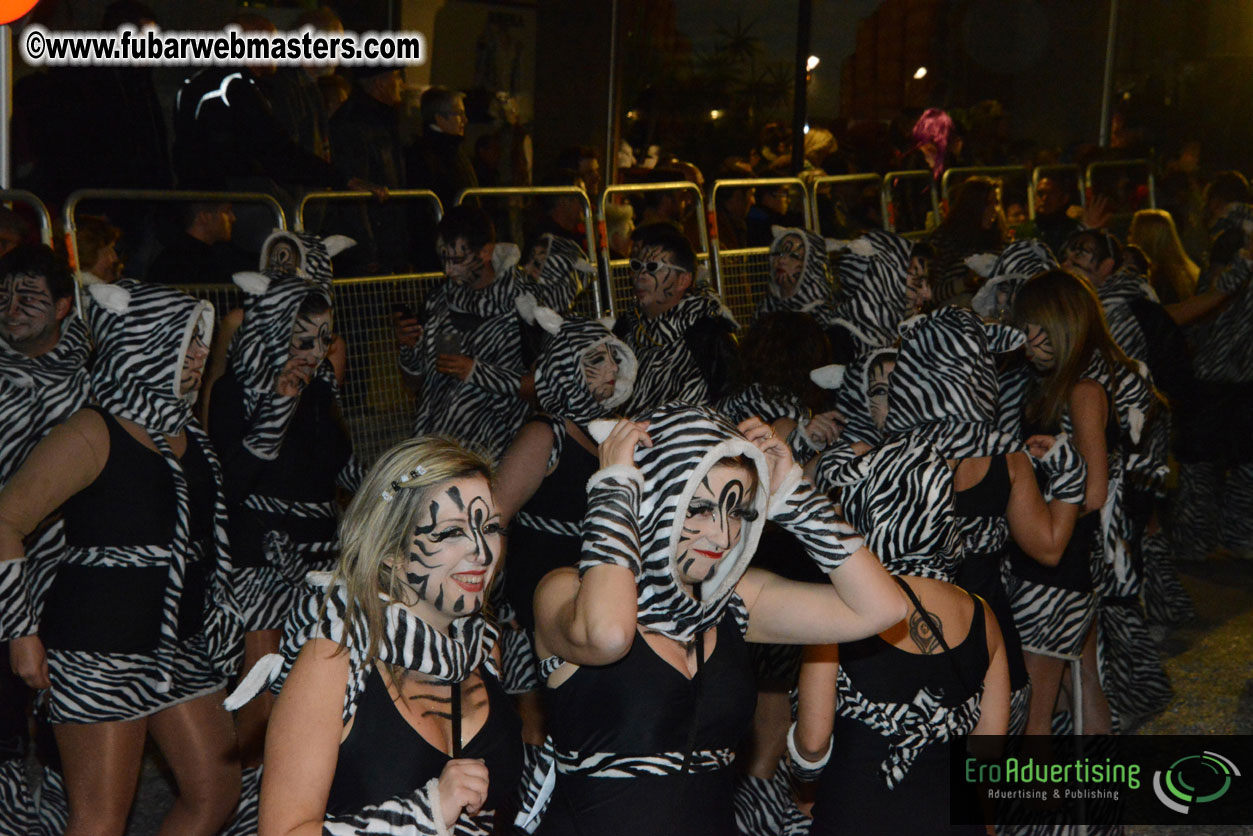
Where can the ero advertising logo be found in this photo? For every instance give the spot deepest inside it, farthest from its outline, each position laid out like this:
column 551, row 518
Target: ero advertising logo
column 1194, row 779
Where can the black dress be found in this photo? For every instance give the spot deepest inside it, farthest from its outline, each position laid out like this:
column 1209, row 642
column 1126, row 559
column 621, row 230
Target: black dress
column 669, row 738
column 853, row 794
column 383, row 757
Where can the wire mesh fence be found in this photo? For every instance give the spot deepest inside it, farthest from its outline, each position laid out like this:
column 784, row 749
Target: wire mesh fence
column 744, row 277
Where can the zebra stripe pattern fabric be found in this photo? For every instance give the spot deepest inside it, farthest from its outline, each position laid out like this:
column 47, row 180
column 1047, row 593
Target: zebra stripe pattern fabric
column 871, row 299
column 610, row 765
column 812, row 293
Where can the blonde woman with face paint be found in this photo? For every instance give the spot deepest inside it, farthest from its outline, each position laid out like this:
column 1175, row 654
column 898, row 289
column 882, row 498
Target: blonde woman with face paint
column 391, row 717
column 648, row 685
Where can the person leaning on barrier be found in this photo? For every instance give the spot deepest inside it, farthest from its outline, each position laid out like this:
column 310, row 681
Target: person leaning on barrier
column 202, row 252
column 466, row 354
column 437, row 161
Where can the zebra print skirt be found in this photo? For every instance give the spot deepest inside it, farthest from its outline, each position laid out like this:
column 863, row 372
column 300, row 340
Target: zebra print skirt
column 91, row 687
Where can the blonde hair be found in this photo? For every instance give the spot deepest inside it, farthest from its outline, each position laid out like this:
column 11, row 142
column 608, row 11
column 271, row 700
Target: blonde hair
column 1172, row 274
column 1067, row 308
column 375, row 533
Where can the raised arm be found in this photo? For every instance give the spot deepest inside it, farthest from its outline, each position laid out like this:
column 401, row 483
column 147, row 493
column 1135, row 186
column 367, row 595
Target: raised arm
column 589, row 618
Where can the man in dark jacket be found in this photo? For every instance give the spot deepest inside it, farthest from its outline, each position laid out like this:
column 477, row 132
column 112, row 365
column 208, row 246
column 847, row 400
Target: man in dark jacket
column 436, row 161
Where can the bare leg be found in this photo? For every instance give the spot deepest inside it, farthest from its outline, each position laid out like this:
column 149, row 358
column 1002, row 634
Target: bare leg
column 198, row 741
column 1046, row 674
column 1096, row 719
column 251, row 719
column 100, row 762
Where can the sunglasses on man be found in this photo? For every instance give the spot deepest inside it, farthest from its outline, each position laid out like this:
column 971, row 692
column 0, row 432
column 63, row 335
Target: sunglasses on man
column 638, row 266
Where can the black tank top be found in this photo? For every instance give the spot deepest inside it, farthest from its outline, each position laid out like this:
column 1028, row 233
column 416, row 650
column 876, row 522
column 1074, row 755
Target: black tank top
column 384, row 757
column 640, row 705
column 131, row 501
column 562, row 497
column 990, row 497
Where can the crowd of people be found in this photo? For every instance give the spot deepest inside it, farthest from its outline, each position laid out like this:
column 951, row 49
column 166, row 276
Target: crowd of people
column 667, row 573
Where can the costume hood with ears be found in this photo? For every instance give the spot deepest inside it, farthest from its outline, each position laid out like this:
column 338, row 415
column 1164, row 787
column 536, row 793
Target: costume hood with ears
column 872, row 275
column 814, row 294
column 565, row 269
column 301, row 254
column 901, row 496
column 944, row 386
column 687, row 442
column 142, row 332
column 560, row 384
column 262, row 345
column 1007, row 273
column 852, row 398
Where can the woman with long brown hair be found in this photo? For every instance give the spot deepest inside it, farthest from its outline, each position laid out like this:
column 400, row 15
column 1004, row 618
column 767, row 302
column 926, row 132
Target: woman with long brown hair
column 975, row 223
column 1087, row 388
column 1172, row 274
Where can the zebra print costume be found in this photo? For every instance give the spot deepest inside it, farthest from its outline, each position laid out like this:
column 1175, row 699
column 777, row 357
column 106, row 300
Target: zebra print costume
column 1224, row 344
column 142, row 333
column 668, row 369
column 872, row 301
column 1016, row 263
column 852, row 399
column 634, row 520
column 1116, row 294
column 407, row 642
column 813, row 293
column 485, row 410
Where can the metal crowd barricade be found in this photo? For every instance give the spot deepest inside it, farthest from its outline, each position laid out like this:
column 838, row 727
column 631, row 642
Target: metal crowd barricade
column 836, row 180
column 31, row 200
column 1041, row 171
column 1106, row 165
column 392, row 194
column 889, row 203
column 587, row 304
column 742, row 274
column 152, row 196
column 621, row 291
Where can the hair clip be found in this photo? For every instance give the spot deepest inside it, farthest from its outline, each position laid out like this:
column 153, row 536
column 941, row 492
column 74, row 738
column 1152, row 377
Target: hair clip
column 389, row 495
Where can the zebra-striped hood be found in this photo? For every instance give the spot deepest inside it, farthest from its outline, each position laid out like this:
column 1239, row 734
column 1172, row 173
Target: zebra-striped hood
column 852, row 399
column 300, row 254
column 560, row 280
column 813, row 294
column 141, row 333
column 872, row 276
column 1010, row 270
column 944, row 386
column 900, row 495
column 262, row 345
column 687, row 442
column 560, row 384
column 67, row 359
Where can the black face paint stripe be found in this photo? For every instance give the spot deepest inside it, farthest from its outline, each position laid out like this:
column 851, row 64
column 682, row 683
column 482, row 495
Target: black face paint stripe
column 455, row 496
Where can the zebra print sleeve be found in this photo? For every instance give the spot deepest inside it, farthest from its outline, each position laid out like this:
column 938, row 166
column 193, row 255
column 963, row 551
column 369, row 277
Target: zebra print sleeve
column 269, row 424
column 411, row 359
column 17, row 613
column 497, row 379
column 1234, row 277
column 413, row 815
column 812, row 519
column 611, row 534
column 1065, row 473
column 352, row 474
column 833, row 458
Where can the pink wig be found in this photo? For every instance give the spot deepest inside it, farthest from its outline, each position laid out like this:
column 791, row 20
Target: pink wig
column 934, row 126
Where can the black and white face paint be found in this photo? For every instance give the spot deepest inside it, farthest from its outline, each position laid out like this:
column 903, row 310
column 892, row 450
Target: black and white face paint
column 657, row 280
column 1040, row 348
column 600, row 370
column 454, row 550
column 787, row 263
column 714, row 521
column 28, row 313
column 536, row 258
column 283, row 257
column 193, row 361
column 462, row 264
column 879, row 378
column 917, row 285
column 310, row 341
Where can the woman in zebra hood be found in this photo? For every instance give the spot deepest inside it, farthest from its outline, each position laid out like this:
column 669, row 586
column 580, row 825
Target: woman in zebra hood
column 894, row 700
column 944, row 389
column 800, row 276
column 1088, row 388
column 583, row 373
column 139, row 629
column 882, row 281
column 274, row 419
column 647, row 679
column 391, row 717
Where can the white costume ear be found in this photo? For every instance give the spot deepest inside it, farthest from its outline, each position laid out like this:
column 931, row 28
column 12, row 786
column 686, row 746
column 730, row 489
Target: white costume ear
column 981, row 263
column 1003, row 338
column 777, row 232
column 608, row 322
column 600, row 428
column 526, row 305
column 862, row 247
column 835, row 244
column 252, row 282
column 701, row 277
column 584, row 266
column 114, row 299
column 336, row 244
column 828, row 377
column 504, row 256
column 549, row 319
